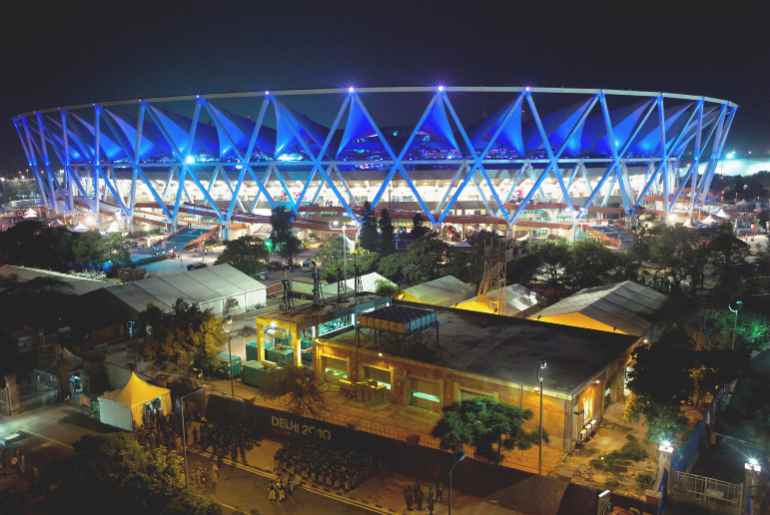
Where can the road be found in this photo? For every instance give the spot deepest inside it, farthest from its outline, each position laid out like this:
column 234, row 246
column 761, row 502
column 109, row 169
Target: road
column 241, row 490
column 53, row 429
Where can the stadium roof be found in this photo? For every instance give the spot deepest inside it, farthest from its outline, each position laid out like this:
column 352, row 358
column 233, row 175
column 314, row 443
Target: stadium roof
column 196, row 287
column 625, row 307
column 445, row 291
column 78, row 285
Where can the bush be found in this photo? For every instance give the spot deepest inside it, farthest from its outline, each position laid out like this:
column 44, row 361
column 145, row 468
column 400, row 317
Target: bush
column 645, row 481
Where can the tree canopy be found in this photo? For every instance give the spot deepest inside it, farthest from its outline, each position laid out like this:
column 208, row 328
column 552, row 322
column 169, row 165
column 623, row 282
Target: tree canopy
column 368, row 236
column 114, row 473
column 186, row 337
column 282, row 235
column 247, row 253
column 488, row 425
column 387, row 242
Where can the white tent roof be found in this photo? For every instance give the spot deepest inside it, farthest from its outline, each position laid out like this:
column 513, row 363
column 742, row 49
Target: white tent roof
column 627, row 306
column 444, row 291
column 195, row 286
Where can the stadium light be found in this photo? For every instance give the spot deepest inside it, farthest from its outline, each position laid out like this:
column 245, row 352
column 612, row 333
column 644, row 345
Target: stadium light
column 351, row 89
column 189, row 159
column 441, row 87
column 267, row 93
column 730, row 155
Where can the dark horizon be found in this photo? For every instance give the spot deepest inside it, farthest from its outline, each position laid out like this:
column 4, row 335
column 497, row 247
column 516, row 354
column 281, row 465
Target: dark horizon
column 80, row 54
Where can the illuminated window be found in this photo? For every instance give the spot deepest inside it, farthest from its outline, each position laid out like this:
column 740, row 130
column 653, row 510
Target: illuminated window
column 425, row 394
column 588, row 405
column 334, row 368
column 378, row 375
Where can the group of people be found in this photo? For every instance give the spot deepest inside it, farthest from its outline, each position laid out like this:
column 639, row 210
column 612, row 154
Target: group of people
column 281, row 488
column 418, row 499
column 339, row 469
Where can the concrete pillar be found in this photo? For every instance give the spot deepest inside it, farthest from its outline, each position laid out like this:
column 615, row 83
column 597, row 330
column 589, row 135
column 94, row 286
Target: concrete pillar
column 296, row 345
column 260, row 343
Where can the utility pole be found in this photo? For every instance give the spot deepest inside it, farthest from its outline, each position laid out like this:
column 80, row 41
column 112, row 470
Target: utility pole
column 735, row 310
column 540, row 377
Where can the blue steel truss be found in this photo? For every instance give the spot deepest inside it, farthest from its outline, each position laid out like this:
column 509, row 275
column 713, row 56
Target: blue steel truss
column 678, row 138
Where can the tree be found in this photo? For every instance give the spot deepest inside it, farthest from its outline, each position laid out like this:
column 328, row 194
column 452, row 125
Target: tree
column 592, row 264
column 336, row 263
column 488, row 425
column 425, row 259
column 114, row 473
column 282, row 236
column 418, row 226
column 247, row 253
column 301, row 387
column 387, row 242
column 187, row 337
column 369, row 237
column 555, row 258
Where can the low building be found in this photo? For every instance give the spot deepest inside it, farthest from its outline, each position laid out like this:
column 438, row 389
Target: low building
column 624, row 308
column 445, row 291
column 429, row 359
column 512, row 300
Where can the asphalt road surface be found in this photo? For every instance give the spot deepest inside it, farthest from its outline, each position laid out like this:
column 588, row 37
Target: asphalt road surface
column 241, row 490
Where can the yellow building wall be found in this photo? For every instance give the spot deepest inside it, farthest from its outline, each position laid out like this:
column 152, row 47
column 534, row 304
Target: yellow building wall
column 578, row 320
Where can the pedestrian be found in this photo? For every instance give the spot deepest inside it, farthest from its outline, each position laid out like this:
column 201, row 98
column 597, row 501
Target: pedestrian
column 418, row 495
column 271, row 493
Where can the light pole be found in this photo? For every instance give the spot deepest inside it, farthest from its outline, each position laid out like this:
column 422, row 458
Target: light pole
column 540, row 377
column 460, row 458
column 228, row 330
column 184, row 439
column 735, row 310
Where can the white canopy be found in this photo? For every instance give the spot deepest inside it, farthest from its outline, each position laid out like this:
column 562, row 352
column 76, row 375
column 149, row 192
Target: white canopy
column 124, row 408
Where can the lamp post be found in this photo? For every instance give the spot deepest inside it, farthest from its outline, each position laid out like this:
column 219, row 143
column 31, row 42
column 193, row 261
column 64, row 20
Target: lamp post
column 540, row 377
column 460, row 458
column 228, row 330
column 184, row 439
column 735, row 310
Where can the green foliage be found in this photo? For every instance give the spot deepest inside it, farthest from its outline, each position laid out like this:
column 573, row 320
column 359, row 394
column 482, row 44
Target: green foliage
column 302, row 387
column 418, row 226
column 645, row 481
column 661, row 372
column 618, row 461
column 247, row 253
column 752, row 332
column 114, row 473
column 387, row 242
column 186, row 337
column 282, row 236
column 489, row 426
column 368, row 236
column 425, row 259
column 385, row 288
column 335, row 265
column 34, row 244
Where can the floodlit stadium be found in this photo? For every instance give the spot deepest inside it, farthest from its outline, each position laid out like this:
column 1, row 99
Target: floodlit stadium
column 483, row 156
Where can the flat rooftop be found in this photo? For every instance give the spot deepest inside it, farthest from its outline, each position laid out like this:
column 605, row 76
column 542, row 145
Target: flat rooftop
column 305, row 314
column 511, row 349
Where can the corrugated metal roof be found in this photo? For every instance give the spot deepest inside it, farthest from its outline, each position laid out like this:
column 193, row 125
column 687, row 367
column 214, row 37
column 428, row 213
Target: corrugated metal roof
column 627, row 306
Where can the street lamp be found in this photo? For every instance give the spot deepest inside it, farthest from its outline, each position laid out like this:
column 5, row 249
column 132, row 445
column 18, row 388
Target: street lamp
column 184, row 439
column 540, row 377
column 459, row 458
column 735, row 310
column 228, row 330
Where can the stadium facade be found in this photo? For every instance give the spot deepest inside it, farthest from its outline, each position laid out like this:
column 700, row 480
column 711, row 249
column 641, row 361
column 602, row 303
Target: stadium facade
column 474, row 155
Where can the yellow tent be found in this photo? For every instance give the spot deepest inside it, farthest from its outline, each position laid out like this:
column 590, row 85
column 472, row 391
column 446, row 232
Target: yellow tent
column 125, row 408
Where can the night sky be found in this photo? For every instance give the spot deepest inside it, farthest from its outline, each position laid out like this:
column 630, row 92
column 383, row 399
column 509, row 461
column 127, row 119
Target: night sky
column 57, row 53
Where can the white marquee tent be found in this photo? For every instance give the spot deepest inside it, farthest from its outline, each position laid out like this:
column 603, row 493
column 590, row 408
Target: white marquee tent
column 125, row 408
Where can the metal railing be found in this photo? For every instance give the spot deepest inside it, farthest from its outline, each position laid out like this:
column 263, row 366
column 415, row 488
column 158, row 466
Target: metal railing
column 712, row 494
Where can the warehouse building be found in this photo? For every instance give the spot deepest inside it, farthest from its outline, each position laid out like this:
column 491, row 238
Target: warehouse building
column 426, row 359
column 444, row 291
